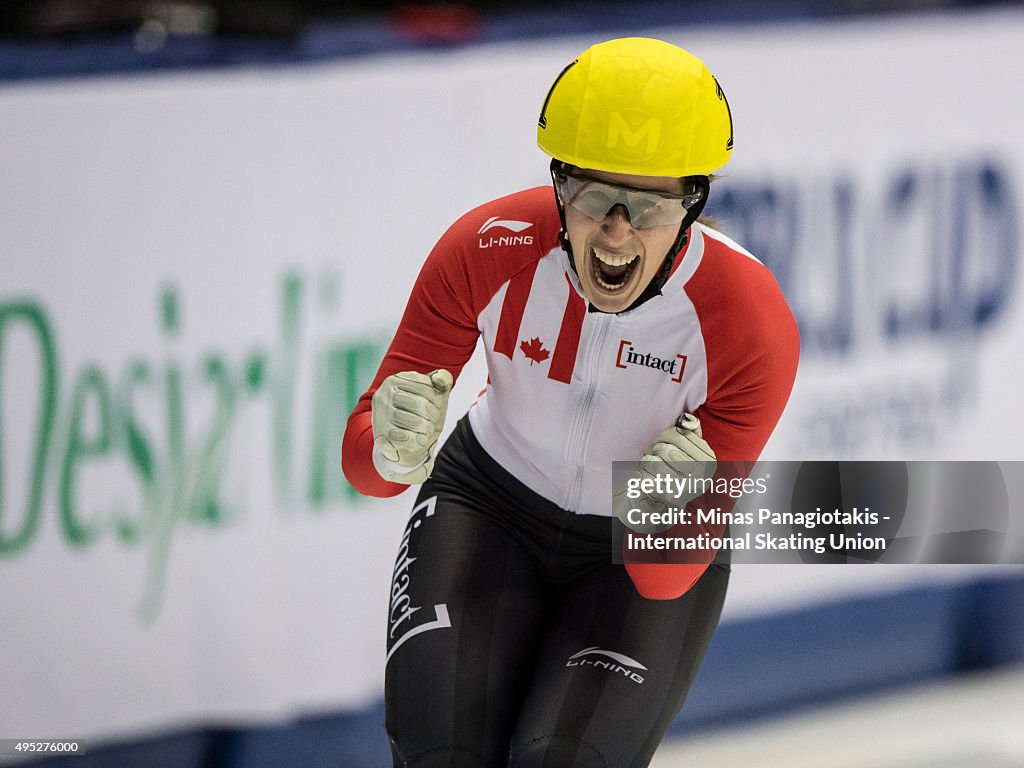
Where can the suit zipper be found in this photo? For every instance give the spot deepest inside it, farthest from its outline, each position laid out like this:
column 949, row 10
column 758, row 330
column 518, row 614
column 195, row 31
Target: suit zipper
column 581, row 423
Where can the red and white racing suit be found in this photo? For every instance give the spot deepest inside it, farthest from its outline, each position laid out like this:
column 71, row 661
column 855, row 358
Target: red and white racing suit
column 514, row 641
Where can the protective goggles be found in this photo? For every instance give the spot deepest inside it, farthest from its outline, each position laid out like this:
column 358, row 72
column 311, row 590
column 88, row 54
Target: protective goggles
column 645, row 208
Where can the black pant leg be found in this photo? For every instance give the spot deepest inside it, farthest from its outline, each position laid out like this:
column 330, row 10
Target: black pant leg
column 466, row 616
column 613, row 671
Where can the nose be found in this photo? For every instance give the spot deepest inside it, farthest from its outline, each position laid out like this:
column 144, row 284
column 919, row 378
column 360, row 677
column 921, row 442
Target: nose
column 616, row 224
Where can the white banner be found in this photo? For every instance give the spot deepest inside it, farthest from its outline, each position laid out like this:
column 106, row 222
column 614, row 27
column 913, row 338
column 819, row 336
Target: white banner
column 199, row 273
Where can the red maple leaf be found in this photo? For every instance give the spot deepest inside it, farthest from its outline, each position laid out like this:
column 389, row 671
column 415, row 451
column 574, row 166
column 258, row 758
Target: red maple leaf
column 534, row 350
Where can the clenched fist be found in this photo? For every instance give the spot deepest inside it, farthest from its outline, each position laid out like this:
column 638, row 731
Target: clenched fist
column 664, row 477
column 408, row 412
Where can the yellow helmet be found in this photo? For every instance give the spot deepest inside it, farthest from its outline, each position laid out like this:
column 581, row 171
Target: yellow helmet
column 637, row 106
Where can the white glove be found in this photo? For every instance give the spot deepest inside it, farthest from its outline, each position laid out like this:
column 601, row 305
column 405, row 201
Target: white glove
column 408, row 412
column 664, row 477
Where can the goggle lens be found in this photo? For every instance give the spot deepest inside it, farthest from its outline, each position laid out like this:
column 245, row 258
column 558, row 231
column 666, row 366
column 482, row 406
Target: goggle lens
column 645, row 208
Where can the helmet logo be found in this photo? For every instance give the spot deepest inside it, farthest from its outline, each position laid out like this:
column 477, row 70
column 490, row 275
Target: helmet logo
column 629, row 143
column 721, row 95
column 543, row 120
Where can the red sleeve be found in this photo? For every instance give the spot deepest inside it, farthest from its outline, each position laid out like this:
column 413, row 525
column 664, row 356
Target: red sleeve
column 439, row 327
column 753, row 347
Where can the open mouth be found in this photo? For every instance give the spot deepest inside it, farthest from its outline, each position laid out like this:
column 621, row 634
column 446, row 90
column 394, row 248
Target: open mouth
column 612, row 271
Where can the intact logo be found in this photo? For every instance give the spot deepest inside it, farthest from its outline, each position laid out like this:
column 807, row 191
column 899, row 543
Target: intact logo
column 497, row 240
column 628, row 355
column 616, row 663
column 402, row 624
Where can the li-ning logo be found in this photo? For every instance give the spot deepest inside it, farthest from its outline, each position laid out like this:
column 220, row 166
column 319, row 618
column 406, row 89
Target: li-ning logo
column 619, row 664
column 402, row 609
column 674, row 366
column 493, row 241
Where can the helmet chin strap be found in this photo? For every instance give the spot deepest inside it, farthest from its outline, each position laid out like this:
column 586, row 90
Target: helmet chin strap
column 653, row 288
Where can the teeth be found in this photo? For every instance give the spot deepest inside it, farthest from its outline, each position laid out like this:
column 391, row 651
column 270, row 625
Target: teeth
column 613, row 259
column 617, row 261
column 607, row 286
